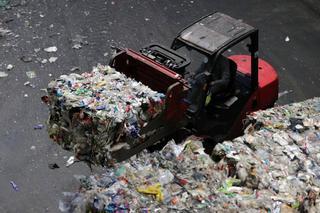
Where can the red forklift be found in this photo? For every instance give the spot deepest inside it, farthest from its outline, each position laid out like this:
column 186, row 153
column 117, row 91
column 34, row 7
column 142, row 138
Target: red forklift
column 252, row 84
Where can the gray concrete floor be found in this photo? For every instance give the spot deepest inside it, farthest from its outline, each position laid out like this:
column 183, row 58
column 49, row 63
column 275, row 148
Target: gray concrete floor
column 131, row 23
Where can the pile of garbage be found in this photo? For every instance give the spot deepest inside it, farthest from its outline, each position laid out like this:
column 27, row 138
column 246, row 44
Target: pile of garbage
column 147, row 182
column 99, row 112
column 278, row 158
column 274, row 167
column 4, row 32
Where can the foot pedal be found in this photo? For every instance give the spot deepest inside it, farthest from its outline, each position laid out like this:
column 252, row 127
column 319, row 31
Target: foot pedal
column 231, row 101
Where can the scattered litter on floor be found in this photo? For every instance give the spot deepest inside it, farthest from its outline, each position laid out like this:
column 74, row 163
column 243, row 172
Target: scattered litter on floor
column 31, row 74
column 76, row 46
column 79, row 41
column 287, row 39
column 29, row 84
column 9, row 67
column 51, row 49
column 53, row 59
column 14, row 186
column 73, row 69
column 97, row 113
column 86, row 13
column 26, row 59
column 4, row 32
column 3, row 74
column 38, row 126
column 249, row 174
column 71, row 161
column 53, row 166
column 285, row 92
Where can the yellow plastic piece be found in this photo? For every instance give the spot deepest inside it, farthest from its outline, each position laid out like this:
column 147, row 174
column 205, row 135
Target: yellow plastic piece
column 101, row 83
column 152, row 190
column 208, row 99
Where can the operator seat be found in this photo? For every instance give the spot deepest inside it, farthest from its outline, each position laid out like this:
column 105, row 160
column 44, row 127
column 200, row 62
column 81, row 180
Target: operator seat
column 231, row 86
column 229, row 91
column 197, row 97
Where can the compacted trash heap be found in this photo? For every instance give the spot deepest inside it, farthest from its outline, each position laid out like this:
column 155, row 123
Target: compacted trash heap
column 99, row 112
column 273, row 167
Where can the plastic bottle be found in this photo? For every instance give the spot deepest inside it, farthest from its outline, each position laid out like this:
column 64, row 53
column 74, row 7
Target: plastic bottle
column 165, row 177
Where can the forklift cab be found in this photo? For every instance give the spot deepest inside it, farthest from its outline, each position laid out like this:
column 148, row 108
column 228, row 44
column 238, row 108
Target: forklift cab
column 253, row 83
column 204, row 42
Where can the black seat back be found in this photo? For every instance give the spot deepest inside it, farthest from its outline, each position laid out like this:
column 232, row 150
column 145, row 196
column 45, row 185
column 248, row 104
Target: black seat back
column 233, row 72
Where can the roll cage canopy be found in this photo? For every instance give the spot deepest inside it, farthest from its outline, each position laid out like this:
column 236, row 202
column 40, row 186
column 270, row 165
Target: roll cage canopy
column 215, row 33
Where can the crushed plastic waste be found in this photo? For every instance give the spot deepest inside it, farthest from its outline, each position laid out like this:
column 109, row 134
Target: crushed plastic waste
column 53, row 59
column 14, row 186
column 99, row 112
column 73, row 69
column 26, row 59
column 284, row 93
column 271, row 168
column 28, row 83
column 287, row 39
column 31, row 74
column 38, row 126
column 278, row 153
column 4, row 32
column 3, row 74
column 71, row 161
column 9, row 67
column 51, row 49
column 79, row 41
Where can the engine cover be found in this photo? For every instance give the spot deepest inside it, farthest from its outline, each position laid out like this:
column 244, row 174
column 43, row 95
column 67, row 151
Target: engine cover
column 166, row 56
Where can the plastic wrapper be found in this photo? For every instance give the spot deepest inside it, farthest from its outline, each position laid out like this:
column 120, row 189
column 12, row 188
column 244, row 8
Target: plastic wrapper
column 99, row 112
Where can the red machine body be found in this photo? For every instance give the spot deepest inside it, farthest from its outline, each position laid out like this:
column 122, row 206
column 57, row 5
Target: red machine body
column 162, row 79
